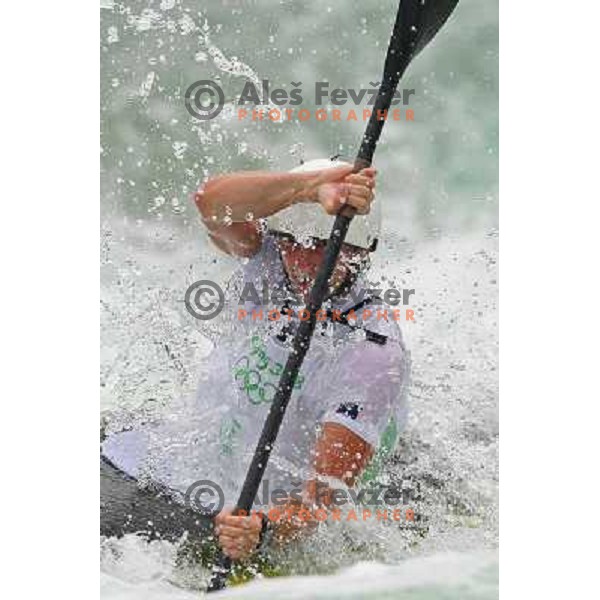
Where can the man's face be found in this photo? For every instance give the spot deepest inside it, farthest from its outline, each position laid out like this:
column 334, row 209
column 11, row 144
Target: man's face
column 301, row 264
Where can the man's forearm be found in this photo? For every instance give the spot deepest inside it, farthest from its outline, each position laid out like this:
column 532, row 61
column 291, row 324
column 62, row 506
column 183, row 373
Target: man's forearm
column 252, row 195
column 295, row 521
column 299, row 518
column 339, row 455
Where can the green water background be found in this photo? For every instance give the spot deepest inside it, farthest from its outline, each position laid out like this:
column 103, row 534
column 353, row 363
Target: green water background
column 438, row 174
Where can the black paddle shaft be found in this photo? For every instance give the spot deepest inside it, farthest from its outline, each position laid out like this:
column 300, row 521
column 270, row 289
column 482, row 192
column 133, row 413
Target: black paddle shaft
column 416, row 23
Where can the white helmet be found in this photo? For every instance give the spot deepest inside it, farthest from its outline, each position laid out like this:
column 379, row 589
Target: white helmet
column 309, row 220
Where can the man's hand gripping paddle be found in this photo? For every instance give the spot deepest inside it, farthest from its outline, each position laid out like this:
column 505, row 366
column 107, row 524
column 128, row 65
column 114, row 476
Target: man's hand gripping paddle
column 416, row 24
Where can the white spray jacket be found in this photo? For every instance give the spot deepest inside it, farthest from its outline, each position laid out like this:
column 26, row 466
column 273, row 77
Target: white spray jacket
column 354, row 374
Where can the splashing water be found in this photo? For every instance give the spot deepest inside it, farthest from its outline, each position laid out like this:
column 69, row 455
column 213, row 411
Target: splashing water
column 438, row 192
column 450, row 448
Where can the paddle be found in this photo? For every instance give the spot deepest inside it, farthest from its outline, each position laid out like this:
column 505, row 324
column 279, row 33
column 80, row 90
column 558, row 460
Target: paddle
column 416, row 24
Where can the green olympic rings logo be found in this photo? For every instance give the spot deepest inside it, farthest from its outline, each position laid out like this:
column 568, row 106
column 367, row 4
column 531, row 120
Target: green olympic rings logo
column 250, row 381
column 257, row 375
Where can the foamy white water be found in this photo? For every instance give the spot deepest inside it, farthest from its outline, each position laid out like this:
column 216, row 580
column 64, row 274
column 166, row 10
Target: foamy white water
column 438, row 190
column 451, row 576
column 450, row 447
